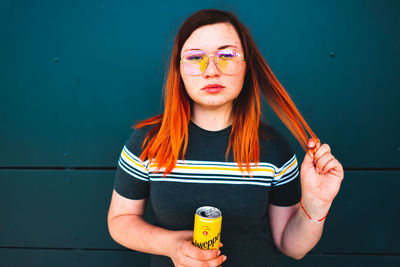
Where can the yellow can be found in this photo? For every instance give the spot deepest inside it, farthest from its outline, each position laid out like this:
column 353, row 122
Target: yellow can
column 207, row 227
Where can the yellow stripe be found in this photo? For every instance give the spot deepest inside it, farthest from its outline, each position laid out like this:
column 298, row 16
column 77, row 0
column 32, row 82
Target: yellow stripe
column 221, row 168
column 283, row 172
column 235, row 169
column 131, row 160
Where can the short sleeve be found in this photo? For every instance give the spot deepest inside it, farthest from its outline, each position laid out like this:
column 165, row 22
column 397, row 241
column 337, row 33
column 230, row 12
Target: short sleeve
column 285, row 187
column 132, row 179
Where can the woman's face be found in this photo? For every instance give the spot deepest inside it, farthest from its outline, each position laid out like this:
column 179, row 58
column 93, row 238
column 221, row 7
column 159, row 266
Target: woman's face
column 210, row 38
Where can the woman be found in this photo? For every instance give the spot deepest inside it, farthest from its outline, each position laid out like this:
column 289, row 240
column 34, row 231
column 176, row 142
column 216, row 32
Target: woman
column 209, row 147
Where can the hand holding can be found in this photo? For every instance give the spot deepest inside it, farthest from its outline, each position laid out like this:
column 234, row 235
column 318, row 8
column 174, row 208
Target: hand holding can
column 184, row 253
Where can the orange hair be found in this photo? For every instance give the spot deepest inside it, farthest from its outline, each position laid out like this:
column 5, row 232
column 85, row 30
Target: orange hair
column 168, row 139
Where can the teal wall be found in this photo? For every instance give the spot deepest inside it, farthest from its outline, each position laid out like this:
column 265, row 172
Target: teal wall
column 74, row 76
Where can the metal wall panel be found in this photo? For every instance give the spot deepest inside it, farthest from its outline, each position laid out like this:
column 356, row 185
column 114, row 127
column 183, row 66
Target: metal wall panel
column 68, row 209
column 75, row 75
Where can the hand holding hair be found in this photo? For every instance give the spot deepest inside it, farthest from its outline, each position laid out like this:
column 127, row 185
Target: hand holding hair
column 321, row 175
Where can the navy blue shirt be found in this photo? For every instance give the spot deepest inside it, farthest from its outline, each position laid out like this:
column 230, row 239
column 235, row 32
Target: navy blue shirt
column 204, row 178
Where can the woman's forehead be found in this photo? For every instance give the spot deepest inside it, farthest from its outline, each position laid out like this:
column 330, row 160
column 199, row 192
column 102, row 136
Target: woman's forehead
column 210, row 38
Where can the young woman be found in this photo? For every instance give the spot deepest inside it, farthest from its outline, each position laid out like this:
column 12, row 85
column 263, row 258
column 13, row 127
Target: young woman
column 209, row 148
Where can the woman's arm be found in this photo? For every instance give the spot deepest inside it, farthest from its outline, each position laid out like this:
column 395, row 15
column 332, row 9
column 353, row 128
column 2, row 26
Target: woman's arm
column 293, row 231
column 127, row 228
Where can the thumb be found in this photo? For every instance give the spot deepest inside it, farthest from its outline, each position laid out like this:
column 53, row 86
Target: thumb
column 187, row 234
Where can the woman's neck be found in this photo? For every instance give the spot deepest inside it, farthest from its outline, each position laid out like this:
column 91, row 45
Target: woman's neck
column 212, row 119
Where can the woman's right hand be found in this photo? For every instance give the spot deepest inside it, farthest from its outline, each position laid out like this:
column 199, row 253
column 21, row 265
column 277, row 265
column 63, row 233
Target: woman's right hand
column 184, row 254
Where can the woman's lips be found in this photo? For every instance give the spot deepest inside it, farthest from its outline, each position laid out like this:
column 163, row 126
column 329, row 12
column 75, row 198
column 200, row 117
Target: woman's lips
column 213, row 88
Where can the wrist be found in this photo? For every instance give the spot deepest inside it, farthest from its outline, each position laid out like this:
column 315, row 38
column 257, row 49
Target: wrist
column 171, row 247
column 314, row 209
column 176, row 239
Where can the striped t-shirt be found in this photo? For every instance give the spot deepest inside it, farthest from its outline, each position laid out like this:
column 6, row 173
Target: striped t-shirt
column 204, row 178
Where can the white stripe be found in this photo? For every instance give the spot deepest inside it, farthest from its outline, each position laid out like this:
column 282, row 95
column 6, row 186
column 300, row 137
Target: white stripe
column 199, row 163
column 131, row 173
column 132, row 157
column 279, row 178
column 291, row 169
column 288, row 180
column 212, row 177
column 222, row 163
column 132, row 170
column 293, row 158
column 202, row 181
column 212, row 171
column 286, row 176
column 286, row 173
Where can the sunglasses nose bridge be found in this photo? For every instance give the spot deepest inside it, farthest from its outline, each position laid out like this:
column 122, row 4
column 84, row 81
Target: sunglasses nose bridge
column 208, row 62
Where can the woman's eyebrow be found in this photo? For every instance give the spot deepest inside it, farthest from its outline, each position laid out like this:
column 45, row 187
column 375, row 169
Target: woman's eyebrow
column 221, row 47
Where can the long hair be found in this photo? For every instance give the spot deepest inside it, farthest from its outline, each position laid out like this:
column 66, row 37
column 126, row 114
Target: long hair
column 168, row 139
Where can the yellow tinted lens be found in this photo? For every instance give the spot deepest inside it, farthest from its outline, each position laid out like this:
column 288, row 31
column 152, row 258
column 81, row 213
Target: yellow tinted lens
column 203, row 64
column 229, row 61
column 195, row 62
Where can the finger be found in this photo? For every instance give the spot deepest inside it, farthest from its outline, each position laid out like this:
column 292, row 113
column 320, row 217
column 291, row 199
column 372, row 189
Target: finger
column 200, row 254
column 322, row 150
column 187, row 261
column 308, row 160
column 220, row 244
column 334, row 167
column 329, row 165
column 322, row 161
column 218, row 261
column 313, row 144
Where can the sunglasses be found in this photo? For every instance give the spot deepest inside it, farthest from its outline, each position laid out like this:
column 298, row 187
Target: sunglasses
column 229, row 61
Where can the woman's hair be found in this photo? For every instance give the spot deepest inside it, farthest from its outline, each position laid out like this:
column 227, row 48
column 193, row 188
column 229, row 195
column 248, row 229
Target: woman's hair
column 168, row 139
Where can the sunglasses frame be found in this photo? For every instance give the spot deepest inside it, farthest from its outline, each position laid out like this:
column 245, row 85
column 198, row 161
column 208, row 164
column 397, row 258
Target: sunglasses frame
column 208, row 60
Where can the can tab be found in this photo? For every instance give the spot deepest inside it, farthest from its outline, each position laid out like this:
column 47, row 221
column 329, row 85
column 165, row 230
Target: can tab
column 210, row 213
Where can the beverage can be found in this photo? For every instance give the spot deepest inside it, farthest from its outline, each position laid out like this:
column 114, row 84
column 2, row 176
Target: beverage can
column 207, row 227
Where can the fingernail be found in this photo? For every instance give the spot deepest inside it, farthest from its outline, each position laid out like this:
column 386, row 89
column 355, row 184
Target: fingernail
column 219, row 252
column 225, row 257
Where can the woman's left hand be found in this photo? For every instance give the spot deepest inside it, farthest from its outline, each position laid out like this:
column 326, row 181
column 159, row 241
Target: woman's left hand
column 321, row 174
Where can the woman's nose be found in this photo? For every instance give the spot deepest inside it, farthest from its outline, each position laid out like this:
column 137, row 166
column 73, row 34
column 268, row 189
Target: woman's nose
column 211, row 68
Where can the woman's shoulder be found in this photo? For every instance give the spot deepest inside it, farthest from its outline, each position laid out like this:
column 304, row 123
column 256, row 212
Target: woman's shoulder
column 274, row 145
column 136, row 138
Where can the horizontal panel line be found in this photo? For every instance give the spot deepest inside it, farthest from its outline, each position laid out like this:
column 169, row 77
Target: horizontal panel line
column 352, row 254
column 57, row 168
column 372, row 169
column 115, row 168
column 122, row 249
column 77, row 249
